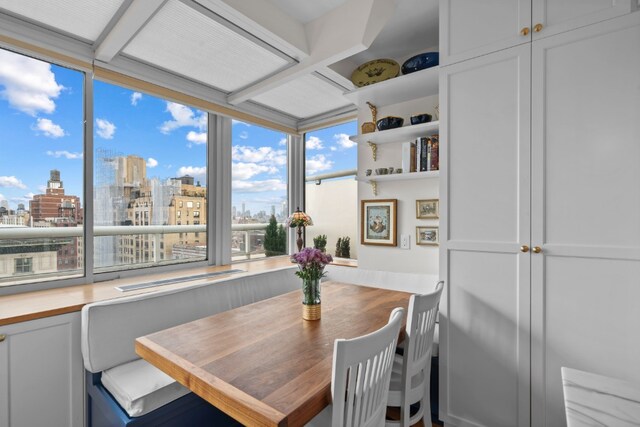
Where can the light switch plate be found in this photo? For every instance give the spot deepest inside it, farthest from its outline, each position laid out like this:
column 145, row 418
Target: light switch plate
column 405, row 241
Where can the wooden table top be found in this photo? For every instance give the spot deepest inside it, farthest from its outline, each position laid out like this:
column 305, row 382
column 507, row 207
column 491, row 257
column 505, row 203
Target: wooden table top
column 262, row 363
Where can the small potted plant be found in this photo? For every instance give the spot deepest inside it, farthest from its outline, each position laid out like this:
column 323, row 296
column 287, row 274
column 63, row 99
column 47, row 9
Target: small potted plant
column 320, row 242
column 311, row 263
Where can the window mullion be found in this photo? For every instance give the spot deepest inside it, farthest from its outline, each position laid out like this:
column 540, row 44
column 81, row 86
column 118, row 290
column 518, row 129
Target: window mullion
column 88, row 244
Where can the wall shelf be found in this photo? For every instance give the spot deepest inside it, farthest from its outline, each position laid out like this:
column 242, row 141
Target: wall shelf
column 374, row 179
column 402, row 88
column 401, row 134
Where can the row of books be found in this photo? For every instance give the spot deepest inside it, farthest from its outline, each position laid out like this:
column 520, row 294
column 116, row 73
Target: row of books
column 421, row 155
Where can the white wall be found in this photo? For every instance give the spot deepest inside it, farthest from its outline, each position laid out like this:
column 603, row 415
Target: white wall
column 333, row 206
column 418, row 259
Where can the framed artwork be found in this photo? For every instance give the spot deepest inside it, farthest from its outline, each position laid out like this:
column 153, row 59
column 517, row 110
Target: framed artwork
column 427, row 209
column 427, row 236
column 378, row 222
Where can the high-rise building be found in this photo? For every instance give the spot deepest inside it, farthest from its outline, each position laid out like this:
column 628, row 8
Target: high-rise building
column 57, row 209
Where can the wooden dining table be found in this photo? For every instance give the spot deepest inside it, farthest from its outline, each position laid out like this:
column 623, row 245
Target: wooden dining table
column 262, row 364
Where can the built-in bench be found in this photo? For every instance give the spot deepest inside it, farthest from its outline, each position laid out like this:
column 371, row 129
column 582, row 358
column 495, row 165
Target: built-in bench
column 124, row 390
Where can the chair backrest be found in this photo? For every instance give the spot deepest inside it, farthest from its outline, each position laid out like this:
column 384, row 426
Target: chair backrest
column 421, row 323
column 361, row 375
column 596, row 400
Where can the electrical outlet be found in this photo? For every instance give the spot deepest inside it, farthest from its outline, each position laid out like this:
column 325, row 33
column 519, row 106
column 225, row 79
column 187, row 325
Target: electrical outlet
column 405, row 241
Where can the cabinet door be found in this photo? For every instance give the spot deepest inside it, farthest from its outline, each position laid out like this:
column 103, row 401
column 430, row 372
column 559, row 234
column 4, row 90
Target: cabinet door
column 41, row 373
column 557, row 16
column 585, row 208
column 485, row 156
column 474, row 28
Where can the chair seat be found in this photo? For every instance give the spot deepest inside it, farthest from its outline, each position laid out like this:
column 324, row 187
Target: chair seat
column 140, row 388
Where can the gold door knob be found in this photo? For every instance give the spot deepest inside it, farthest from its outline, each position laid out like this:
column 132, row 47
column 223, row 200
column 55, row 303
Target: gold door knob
column 536, row 249
column 524, row 248
column 524, row 31
column 2, row 337
column 537, row 28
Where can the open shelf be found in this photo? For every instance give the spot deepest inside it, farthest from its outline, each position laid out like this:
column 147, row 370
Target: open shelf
column 375, row 179
column 401, row 134
column 402, row 88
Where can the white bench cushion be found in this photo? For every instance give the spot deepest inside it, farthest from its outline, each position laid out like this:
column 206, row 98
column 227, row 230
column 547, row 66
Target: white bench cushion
column 140, row 387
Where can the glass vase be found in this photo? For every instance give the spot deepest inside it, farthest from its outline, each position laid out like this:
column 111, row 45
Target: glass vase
column 311, row 299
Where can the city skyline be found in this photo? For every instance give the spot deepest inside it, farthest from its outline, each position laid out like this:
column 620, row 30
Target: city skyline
column 43, row 116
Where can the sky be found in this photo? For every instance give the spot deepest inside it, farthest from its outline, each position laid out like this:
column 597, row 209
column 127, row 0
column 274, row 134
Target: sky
column 41, row 128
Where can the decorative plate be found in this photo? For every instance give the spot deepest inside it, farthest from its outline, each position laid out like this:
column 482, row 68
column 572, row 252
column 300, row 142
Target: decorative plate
column 375, row 71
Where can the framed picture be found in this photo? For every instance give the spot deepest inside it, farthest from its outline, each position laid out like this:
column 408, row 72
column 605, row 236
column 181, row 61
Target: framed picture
column 427, row 236
column 378, row 222
column 427, row 209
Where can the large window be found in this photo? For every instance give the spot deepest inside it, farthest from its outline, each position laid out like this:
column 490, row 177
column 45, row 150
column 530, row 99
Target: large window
column 41, row 170
column 331, row 192
column 259, row 192
column 150, row 173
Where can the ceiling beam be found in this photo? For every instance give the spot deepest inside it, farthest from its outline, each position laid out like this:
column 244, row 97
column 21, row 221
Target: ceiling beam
column 266, row 22
column 339, row 34
column 132, row 20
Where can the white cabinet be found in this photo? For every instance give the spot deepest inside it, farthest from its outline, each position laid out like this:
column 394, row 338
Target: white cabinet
column 557, row 16
column 41, row 373
column 473, row 28
column 586, row 208
column 484, row 192
column 513, row 317
column 470, row 28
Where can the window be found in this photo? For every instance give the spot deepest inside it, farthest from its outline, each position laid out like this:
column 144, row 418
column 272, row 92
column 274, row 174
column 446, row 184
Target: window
column 149, row 156
column 41, row 169
column 330, row 152
column 24, row 265
column 258, row 192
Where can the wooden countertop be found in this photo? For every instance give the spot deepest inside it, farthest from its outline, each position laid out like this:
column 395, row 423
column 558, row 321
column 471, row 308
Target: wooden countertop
column 38, row 304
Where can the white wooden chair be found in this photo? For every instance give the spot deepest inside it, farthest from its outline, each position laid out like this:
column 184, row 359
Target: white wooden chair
column 596, row 400
column 361, row 374
column 412, row 370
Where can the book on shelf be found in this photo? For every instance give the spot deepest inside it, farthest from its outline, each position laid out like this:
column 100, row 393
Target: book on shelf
column 434, row 157
column 407, row 156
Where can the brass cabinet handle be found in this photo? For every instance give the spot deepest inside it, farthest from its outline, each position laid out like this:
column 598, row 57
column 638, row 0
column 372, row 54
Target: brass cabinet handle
column 524, row 31
column 2, row 337
column 524, row 248
column 538, row 27
column 536, row 249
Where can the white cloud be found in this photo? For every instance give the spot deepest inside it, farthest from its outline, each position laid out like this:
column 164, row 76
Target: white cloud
column 342, row 139
column 106, row 129
column 266, row 155
column 63, row 153
column 317, row 163
column 194, row 171
column 29, row 85
column 244, row 134
column 239, row 122
column 151, row 162
column 244, row 171
column 283, row 141
column 333, row 148
column 183, row 116
column 314, row 143
column 258, row 186
column 135, row 97
column 11, row 181
column 29, row 196
column 49, row 128
column 42, row 188
column 197, row 137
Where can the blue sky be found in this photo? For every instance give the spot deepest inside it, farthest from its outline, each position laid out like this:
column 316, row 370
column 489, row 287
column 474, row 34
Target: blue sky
column 41, row 129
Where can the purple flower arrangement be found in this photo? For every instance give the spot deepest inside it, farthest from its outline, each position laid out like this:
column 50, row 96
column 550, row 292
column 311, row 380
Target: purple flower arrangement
column 311, row 262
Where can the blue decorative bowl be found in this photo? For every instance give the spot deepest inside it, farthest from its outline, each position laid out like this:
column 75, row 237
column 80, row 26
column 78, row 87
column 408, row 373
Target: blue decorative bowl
column 420, row 62
column 389, row 123
column 417, row 119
